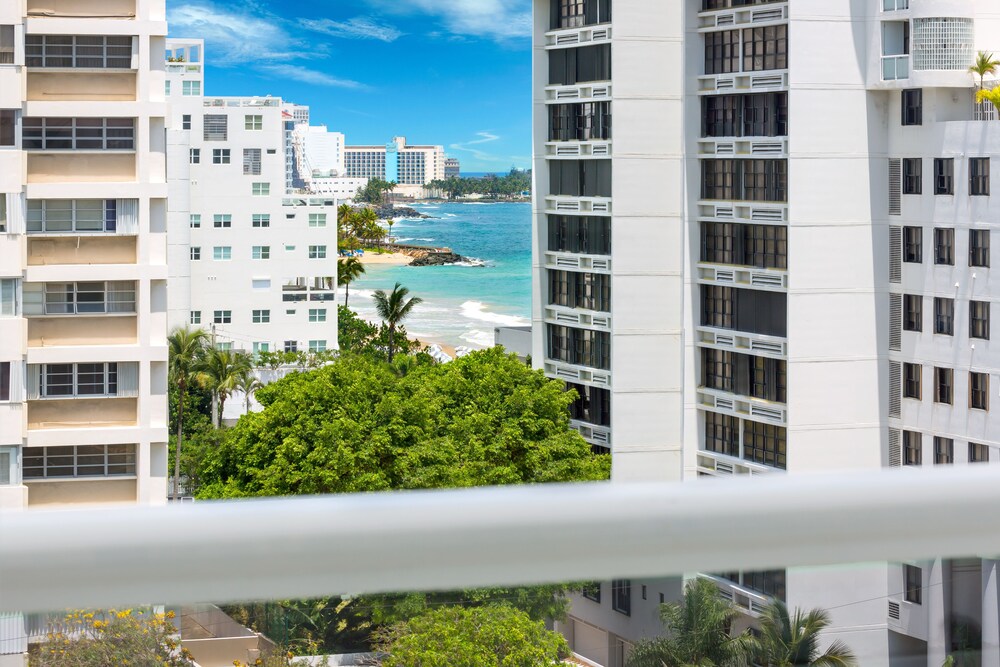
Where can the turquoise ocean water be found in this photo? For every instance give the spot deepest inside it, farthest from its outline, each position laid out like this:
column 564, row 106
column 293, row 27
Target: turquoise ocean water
column 462, row 304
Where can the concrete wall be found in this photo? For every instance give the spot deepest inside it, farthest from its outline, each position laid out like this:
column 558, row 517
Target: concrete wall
column 81, row 492
column 47, row 87
column 82, row 250
column 82, row 413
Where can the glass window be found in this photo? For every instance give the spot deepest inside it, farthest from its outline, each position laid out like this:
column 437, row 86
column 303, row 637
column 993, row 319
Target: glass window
column 764, row 444
column 186, row 122
column 251, row 162
column 912, row 176
column 765, row 48
column 913, row 242
column 195, row 254
column 6, row 45
column 8, row 297
column 220, row 156
column 621, row 596
column 317, row 314
column 261, row 189
column 944, row 451
column 79, row 461
column 261, row 252
column 944, row 316
column 722, row 434
column 943, row 383
column 979, row 176
column 722, row 52
column 978, row 453
column 912, row 107
column 979, row 247
column 84, row 51
column 253, row 122
column 261, row 316
column 913, row 315
column 222, row 220
column 913, row 445
column 944, row 176
column 944, row 246
column 222, row 253
column 195, row 317
column 222, row 317
column 291, row 346
column 5, row 380
column 317, row 346
column 979, row 319
column 191, row 88
column 78, row 134
column 261, row 220
column 911, row 380
column 913, row 584
column 979, row 391
column 8, row 128
column 195, row 220
column 317, row 219
column 317, row 252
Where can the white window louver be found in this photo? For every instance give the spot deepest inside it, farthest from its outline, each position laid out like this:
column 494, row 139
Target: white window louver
column 895, row 448
column 895, row 186
column 127, row 217
column 15, row 213
column 894, row 611
column 128, row 380
column 895, row 254
column 895, row 322
column 895, row 389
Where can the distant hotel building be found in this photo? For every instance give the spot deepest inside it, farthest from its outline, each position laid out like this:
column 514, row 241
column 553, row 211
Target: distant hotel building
column 319, row 157
column 452, row 168
column 411, row 167
column 248, row 260
column 775, row 260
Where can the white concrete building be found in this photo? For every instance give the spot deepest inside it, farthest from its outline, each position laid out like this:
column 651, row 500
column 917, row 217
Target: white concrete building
column 83, row 259
column 735, row 278
column 253, row 264
column 410, row 166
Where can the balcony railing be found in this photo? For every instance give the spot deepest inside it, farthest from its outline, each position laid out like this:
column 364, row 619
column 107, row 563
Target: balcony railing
column 242, row 102
column 895, row 67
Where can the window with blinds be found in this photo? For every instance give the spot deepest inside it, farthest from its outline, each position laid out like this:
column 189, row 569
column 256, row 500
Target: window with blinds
column 251, row 162
column 78, row 51
column 216, row 127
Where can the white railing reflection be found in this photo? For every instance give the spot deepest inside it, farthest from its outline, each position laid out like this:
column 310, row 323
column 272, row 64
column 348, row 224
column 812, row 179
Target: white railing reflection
column 895, row 67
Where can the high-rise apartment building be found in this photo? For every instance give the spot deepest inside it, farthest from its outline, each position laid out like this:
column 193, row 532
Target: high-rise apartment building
column 83, row 258
column 411, row 167
column 775, row 260
column 254, row 265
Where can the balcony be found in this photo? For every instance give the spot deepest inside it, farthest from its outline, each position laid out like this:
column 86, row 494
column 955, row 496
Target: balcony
column 96, row 491
column 79, row 330
column 743, row 276
column 595, row 435
column 89, row 87
column 81, row 168
column 743, row 406
column 895, row 67
column 577, row 317
column 81, row 9
column 556, row 204
column 78, row 413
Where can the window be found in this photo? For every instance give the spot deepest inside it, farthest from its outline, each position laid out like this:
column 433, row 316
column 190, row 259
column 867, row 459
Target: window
column 291, row 346
column 978, row 453
column 593, row 405
column 944, row 451
column 943, row 382
column 8, row 297
column 261, row 347
column 186, row 122
column 587, row 235
column 8, row 128
column 317, row 314
column 913, row 445
column 580, row 178
column 222, row 317
column 912, row 107
column 317, row 219
column 913, row 312
column 912, row 176
column 222, row 220
column 317, row 346
column 220, row 156
column 261, row 316
column 764, row 444
column 577, row 65
column 79, row 461
column 5, row 380
column 979, row 247
column 979, row 319
column 72, row 215
column 195, row 317
column 222, row 253
column 261, row 189
column 912, row 583
column 765, row 48
column 591, row 590
column 722, row 434
column 194, row 221
column 261, row 252
column 913, row 245
column 745, row 180
column 195, row 253
column 191, row 88
column 581, row 347
column 166, row 88
column 253, row 122
column 979, row 391
column 251, row 162
column 261, row 220
column 911, row 380
column 317, row 252
column 621, row 596
column 6, row 45
column 944, row 176
column 88, row 51
column 3, row 213
column 224, row 347
column 72, row 380
column 944, row 246
column 580, row 290
column 979, row 176
column 722, row 52
column 944, row 316
column 195, row 155
column 749, row 115
column 89, row 298
column 46, row 134
column 216, row 127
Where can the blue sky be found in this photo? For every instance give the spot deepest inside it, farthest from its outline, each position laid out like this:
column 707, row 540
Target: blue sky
column 450, row 72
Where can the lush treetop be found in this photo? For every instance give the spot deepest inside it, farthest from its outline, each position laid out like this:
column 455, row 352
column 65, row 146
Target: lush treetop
column 361, row 425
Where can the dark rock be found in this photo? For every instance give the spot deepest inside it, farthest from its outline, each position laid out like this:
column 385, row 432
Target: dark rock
column 390, row 211
column 438, row 259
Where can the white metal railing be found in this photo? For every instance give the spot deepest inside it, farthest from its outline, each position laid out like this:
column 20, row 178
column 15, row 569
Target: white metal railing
column 445, row 540
column 242, row 102
column 895, row 67
column 985, row 110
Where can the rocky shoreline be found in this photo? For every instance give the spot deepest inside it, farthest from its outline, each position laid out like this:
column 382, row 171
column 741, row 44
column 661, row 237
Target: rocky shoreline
column 389, row 211
column 427, row 256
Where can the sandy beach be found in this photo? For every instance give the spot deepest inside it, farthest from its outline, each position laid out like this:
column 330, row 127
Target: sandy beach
column 396, row 258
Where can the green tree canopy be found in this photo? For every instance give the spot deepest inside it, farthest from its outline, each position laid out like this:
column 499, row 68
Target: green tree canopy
column 499, row 636
column 792, row 640
column 355, row 425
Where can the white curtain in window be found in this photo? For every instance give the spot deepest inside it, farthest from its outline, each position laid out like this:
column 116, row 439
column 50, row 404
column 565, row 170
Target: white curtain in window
column 17, row 381
column 127, row 223
column 33, row 296
column 120, row 296
column 8, row 297
column 15, row 212
column 128, row 379
column 34, row 382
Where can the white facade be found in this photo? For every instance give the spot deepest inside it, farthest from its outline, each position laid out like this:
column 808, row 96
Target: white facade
column 714, row 275
column 83, row 260
column 252, row 264
column 396, row 161
column 321, row 151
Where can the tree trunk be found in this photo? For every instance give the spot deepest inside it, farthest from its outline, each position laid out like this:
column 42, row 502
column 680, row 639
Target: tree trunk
column 347, row 292
column 181, row 386
column 222, row 406
column 392, row 332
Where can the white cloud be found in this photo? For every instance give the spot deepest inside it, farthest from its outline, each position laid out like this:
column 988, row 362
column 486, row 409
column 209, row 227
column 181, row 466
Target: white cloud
column 485, row 137
column 251, row 37
column 496, row 19
column 356, row 28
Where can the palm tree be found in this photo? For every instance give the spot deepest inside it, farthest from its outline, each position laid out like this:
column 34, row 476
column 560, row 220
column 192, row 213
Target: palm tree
column 985, row 64
column 699, row 633
column 187, row 347
column 222, row 370
column 247, row 383
column 786, row 641
column 393, row 308
column 349, row 270
column 390, row 222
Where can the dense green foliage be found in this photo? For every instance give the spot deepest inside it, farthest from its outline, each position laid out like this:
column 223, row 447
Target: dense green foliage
column 358, row 336
column 376, row 192
column 489, row 636
column 393, row 308
column 356, row 425
column 792, row 640
column 511, row 185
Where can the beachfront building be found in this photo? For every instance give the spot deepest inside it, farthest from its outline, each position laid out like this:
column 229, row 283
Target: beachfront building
column 83, row 273
column 410, row 167
column 724, row 309
column 319, row 163
column 452, row 168
column 252, row 264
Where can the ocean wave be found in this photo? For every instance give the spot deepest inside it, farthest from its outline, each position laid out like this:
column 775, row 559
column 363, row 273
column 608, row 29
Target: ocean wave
column 476, row 310
column 450, row 215
column 430, row 206
column 472, row 261
column 478, row 338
